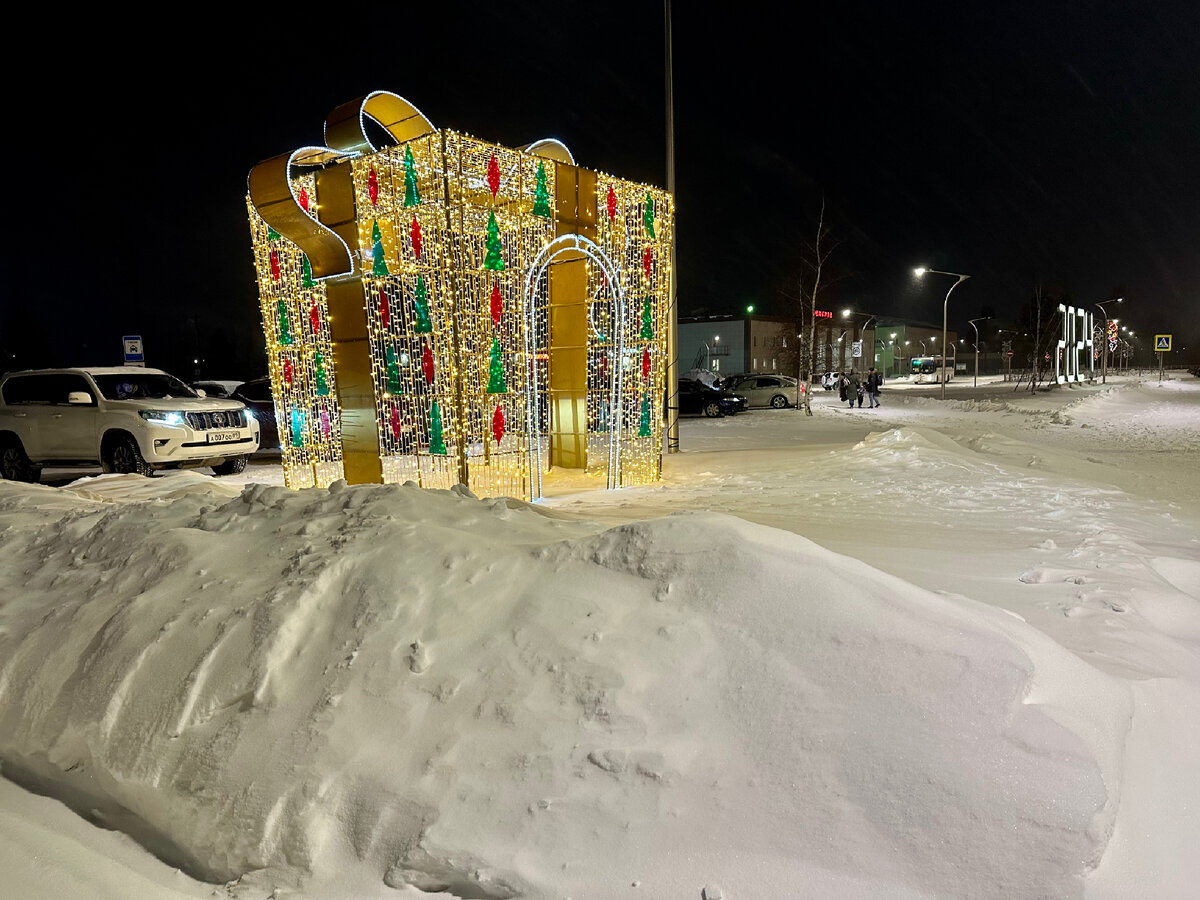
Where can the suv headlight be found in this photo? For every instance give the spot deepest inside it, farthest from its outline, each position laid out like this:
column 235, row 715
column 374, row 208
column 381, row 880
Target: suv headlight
column 161, row 416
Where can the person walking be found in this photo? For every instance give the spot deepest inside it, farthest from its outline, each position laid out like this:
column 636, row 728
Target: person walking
column 874, row 382
column 855, row 390
column 843, row 386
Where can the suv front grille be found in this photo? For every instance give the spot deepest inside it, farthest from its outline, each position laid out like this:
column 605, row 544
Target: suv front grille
column 224, row 418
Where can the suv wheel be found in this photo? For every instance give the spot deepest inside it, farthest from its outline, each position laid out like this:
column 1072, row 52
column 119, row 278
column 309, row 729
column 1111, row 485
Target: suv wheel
column 779, row 401
column 14, row 464
column 712, row 409
column 234, row 466
column 124, row 457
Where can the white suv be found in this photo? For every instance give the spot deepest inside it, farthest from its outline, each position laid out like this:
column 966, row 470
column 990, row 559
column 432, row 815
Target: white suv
column 125, row 419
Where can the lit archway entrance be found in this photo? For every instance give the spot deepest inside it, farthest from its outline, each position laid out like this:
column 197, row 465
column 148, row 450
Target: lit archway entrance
column 574, row 347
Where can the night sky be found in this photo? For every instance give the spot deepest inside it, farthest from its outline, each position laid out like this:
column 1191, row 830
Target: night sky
column 1053, row 145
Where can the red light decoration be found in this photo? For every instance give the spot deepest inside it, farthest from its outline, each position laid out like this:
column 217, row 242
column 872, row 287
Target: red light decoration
column 498, row 424
column 395, row 422
column 493, row 175
column 647, row 261
column 612, row 203
column 314, row 318
column 373, row 186
column 646, row 362
column 427, row 364
column 287, row 372
column 416, row 237
column 304, row 199
column 497, row 303
column 274, row 265
column 385, row 309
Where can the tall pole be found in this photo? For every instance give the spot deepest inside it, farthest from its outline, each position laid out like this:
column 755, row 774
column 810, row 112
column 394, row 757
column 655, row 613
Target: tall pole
column 673, row 308
column 945, row 332
column 976, row 327
column 945, row 312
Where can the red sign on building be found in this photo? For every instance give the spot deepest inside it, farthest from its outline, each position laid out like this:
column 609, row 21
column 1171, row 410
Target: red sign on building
column 822, row 314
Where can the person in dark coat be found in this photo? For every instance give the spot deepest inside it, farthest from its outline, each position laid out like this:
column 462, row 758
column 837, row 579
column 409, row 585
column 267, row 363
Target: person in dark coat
column 874, row 382
column 854, row 390
column 843, row 386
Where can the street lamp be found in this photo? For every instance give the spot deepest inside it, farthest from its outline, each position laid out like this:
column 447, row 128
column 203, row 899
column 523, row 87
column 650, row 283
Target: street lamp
column 945, row 309
column 976, row 327
column 862, row 332
column 1104, row 358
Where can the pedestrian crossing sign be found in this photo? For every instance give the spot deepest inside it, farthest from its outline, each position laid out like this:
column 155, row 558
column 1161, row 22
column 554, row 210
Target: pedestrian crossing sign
column 1162, row 342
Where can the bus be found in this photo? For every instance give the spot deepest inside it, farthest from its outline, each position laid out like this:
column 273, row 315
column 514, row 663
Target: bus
column 931, row 370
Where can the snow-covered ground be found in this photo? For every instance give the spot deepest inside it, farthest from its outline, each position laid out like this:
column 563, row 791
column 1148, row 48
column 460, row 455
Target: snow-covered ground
column 940, row 648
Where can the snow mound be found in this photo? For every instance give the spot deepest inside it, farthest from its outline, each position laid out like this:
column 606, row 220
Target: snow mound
column 419, row 690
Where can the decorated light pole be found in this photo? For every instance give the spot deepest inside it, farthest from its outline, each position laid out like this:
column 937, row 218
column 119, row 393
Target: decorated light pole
column 1110, row 337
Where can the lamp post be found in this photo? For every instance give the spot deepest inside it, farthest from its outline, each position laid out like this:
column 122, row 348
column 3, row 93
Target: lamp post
column 976, row 327
column 862, row 332
column 1104, row 357
column 945, row 309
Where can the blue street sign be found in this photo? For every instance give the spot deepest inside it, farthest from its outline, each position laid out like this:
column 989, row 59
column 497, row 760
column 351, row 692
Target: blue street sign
column 1162, row 342
column 133, row 349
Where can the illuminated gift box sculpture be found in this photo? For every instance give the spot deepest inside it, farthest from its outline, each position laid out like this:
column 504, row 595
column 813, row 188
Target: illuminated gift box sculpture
column 445, row 310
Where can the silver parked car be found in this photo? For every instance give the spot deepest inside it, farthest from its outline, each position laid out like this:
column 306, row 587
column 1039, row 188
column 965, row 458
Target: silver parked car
column 778, row 391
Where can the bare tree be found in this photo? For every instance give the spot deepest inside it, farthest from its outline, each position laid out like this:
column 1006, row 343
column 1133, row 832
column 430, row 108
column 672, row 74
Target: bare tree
column 803, row 291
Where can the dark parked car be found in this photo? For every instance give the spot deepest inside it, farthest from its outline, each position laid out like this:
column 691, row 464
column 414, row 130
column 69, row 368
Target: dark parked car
column 256, row 394
column 697, row 398
column 219, row 389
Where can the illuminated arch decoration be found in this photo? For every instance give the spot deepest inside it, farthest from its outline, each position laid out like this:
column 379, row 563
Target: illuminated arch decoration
column 608, row 405
column 447, row 310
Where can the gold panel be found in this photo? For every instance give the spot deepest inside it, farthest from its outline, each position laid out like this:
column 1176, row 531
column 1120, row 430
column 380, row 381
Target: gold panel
column 564, row 199
column 271, row 194
column 355, row 383
column 568, row 364
column 574, row 201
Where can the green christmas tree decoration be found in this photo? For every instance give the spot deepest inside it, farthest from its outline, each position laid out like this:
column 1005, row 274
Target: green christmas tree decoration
column 494, row 260
column 306, row 278
column 541, row 198
column 393, row 373
column 322, row 383
column 437, row 443
column 647, row 333
column 285, row 328
column 644, row 423
column 496, row 383
column 379, row 262
column 424, row 325
column 412, row 196
column 272, row 234
column 649, row 219
column 297, row 429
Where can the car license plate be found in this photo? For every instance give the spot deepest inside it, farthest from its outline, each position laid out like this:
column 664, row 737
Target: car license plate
column 223, row 437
